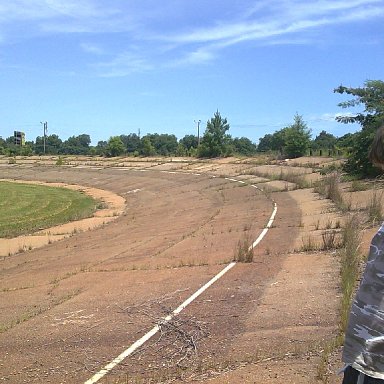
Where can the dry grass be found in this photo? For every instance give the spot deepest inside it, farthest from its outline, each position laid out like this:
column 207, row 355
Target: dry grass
column 244, row 250
column 374, row 207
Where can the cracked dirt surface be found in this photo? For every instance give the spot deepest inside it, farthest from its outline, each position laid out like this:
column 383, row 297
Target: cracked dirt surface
column 69, row 307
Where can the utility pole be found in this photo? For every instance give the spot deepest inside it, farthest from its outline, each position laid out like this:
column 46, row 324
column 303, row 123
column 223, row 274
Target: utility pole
column 45, row 128
column 198, row 131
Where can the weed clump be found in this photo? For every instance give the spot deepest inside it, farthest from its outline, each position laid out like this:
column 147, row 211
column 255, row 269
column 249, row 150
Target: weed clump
column 244, row 250
column 60, row 161
column 350, row 259
column 329, row 188
column 374, row 207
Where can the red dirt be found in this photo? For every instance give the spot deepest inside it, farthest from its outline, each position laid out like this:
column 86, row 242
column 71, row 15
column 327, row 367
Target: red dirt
column 70, row 307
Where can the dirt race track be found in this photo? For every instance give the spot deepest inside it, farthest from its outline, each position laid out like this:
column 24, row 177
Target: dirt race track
column 70, row 307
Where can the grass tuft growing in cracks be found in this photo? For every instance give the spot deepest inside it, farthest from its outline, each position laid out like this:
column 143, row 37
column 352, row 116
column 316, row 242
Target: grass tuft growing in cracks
column 244, row 250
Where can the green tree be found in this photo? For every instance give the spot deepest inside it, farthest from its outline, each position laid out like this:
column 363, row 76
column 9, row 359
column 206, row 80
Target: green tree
column 297, row 138
column 265, row 143
column 164, row 144
column 101, row 147
column 76, row 145
column 324, row 140
column 84, row 140
column 146, row 147
column 187, row 146
column 215, row 142
column 189, row 141
column 10, row 148
column 131, row 142
column 244, row 146
column 279, row 140
column 3, row 145
column 371, row 96
column 115, row 147
column 27, row 149
column 346, row 141
column 358, row 162
column 10, row 140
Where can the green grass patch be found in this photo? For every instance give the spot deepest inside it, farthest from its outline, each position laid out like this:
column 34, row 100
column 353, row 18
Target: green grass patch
column 26, row 208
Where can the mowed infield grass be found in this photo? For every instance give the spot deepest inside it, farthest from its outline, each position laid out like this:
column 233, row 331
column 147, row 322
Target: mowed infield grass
column 26, row 208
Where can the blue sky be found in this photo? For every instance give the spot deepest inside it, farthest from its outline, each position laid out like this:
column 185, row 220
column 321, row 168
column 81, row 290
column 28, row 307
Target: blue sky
column 113, row 67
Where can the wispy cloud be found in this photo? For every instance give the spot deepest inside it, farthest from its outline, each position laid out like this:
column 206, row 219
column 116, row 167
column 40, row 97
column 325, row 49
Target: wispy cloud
column 92, row 48
column 290, row 17
column 63, row 16
column 18, row 10
column 271, row 22
column 166, row 33
column 123, row 64
column 202, row 55
column 333, row 116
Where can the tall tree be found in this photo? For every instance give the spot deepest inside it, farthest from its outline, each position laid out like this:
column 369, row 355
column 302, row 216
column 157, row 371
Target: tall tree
column 265, row 143
column 101, row 147
column 164, row 144
column 324, row 140
column 146, row 147
column 53, row 144
column 371, row 96
column 115, row 147
column 215, row 141
column 346, row 141
column 189, row 141
column 244, row 146
column 76, row 145
column 297, row 138
column 131, row 142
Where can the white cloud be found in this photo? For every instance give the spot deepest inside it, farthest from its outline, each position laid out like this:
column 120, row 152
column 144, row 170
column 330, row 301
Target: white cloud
column 328, row 117
column 162, row 38
column 123, row 64
column 270, row 23
column 290, row 17
column 63, row 16
column 21, row 10
column 201, row 55
column 92, row 48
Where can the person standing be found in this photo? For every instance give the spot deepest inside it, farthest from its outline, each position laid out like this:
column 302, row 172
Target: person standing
column 363, row 351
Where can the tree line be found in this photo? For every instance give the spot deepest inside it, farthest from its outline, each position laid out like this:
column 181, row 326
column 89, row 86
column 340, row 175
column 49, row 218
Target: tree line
column 128, row 144
column 291, row 141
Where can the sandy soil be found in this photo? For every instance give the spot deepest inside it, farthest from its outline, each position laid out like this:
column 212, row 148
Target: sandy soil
column 69, row 307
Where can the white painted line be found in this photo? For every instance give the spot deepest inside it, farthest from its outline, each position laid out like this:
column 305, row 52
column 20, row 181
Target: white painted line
column 265, row 230
column 95, row 378
column 133, row 191
column 99, row 375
